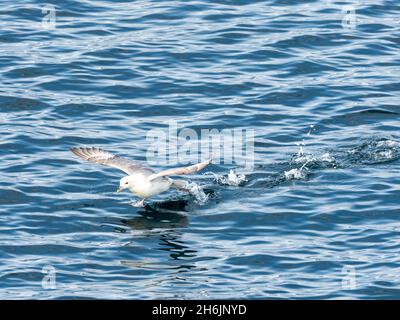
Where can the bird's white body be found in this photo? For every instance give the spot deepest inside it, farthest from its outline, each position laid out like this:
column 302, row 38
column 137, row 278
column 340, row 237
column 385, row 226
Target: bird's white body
column 141, row 186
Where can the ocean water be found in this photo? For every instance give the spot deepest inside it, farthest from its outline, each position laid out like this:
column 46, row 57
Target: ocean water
column 316, row 218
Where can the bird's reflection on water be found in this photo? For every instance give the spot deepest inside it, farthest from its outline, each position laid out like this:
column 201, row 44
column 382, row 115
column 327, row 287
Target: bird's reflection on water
column 170, row 214
column 164, row 220
column 160, row 215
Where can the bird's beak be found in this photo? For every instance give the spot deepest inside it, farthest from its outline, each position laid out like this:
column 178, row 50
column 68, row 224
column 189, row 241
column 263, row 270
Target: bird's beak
column 119, row 189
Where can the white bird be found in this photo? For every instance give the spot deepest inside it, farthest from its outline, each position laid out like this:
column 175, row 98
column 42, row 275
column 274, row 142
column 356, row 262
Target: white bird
column 141, row 181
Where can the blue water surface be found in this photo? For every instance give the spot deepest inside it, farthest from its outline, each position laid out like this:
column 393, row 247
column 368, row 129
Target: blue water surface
column 317, row 81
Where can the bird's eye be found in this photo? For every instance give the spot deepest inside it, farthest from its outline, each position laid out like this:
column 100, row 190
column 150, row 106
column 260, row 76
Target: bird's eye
column 126, row 182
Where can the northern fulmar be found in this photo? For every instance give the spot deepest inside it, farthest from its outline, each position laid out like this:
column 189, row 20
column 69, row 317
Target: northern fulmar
column 142, row 181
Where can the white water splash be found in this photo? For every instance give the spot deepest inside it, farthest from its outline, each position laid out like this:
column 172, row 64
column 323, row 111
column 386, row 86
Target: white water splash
column 232, row 179
column 298, row 173
column 384, row 155
column 312, row 128
column 295, row 174
column 235, row 179
column 388, row 144
column 390, row 150
column 327, row 157
column 376, row 151
column 305, row 158
column 197, row 191
column 301, row 146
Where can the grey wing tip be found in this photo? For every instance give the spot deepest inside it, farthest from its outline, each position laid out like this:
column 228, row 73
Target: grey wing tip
column 74, row 150
column 82, row 152
column 212, row 158
column 92, row 154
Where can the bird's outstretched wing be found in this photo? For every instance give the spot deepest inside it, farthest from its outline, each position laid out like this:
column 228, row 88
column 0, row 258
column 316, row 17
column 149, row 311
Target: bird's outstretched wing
column 100, row 156
column 181, row 171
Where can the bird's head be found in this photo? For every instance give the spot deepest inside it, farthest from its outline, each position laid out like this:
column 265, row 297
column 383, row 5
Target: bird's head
column 124, row 183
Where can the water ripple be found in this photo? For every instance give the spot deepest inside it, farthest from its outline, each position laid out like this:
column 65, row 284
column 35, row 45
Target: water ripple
column 320, row 205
